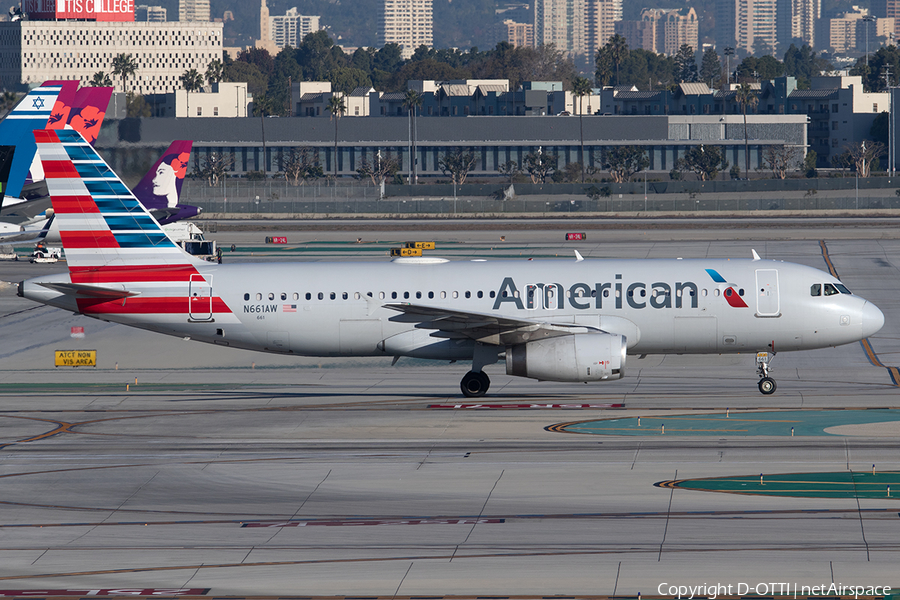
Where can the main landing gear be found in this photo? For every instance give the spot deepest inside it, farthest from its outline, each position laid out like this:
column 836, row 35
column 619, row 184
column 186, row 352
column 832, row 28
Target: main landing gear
column 766, row 384
column 475, row 383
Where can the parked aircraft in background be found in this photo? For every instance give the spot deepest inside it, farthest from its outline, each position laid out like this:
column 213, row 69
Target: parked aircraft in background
column 552, row 320
column 160, row 189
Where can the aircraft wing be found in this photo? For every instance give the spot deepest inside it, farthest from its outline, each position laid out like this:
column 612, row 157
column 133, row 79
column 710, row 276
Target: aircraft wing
column 482, row 327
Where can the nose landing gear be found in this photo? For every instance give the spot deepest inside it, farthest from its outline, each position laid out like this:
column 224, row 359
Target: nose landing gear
column 766, row 384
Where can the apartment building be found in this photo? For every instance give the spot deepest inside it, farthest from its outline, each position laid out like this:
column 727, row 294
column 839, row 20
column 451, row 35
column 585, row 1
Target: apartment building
column 408, row 23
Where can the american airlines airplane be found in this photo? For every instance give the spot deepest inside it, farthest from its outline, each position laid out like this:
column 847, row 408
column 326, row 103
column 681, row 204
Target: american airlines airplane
column 551, row 320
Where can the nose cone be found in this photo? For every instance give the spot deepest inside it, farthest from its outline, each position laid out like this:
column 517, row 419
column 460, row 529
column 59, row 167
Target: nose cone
column 872, row 319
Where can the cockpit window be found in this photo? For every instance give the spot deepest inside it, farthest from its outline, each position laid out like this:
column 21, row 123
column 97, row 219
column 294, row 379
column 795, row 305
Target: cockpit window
column 842, row 288
column 815, row 289
column 830, row 290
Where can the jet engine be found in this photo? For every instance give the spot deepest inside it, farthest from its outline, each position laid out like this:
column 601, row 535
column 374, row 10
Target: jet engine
column 579, row 357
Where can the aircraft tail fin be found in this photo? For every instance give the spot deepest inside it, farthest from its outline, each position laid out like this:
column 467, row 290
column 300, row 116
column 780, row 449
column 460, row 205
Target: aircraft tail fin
column 31, row 113
column 106, row 233
column 160, row 189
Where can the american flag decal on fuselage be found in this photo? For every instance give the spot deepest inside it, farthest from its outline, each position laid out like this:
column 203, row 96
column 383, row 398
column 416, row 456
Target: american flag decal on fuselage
column 112, row 242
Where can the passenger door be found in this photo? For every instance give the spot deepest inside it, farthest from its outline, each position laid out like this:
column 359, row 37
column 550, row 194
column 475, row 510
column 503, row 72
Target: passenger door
column 768, row 303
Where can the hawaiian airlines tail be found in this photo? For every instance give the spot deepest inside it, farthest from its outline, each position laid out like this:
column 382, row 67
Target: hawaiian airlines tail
column 160, row 189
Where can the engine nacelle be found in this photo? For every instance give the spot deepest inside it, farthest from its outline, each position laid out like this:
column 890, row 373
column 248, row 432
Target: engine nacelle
column 579, row 357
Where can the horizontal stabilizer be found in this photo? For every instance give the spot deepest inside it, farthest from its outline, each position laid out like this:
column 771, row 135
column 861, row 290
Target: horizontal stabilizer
column 89, row 291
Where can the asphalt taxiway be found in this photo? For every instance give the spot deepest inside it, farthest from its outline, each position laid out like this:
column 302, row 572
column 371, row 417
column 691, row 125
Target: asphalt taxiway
column 176, row 465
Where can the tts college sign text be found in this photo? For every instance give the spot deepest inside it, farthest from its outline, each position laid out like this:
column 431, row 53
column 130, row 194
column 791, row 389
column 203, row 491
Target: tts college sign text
column 91, row 10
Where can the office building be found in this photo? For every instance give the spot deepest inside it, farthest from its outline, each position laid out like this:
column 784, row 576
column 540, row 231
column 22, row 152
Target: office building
column 662, row 31
column 32, row 52
column 408, row 23
column 517, row 34
column 561, row 23
column 193, row 10
column 600, row 19
column 748, row 25
column 290, row 28
column 151, row 14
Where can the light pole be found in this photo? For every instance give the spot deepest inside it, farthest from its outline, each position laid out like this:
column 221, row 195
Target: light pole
column 729, row 52
column 867, row 19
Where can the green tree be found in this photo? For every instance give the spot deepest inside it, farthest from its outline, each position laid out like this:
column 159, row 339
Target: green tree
column 705, row 161
column 809, row 164
column 124, row 65
column 347, row 79
column 215, row 71
column 780, row 159
column 337, row 108
column 136, row 106
column 747, row 97
column 101, row 79
column 191, row 80
column 8, row 100
column 685, row 65
column 257, row 82
column 581, row 87
column 457, row 163
column 623, row 162
column 609, row 58
column 379, row 170
column 540, row 165
column 803, row 64
column 710, row 67
column 510, row 169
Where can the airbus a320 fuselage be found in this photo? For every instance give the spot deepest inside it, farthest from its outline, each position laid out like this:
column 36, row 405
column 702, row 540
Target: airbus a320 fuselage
column 553, row 320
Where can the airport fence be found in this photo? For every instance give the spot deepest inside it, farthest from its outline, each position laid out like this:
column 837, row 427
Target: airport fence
column 247, row 197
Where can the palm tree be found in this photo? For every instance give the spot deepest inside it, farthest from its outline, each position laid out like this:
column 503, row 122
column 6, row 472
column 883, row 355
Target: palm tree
column 746, row 96
column 618, row 51
column 191, row 81
column 337, row 108
column 124, row 65
column 581, row 87
column 101, row 79
column 412, row 101
column 215, row 71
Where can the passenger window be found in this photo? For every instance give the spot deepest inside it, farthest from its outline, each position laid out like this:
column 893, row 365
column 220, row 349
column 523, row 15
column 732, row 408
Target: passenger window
column 321, row 296
column 456, row 294
column 418, row 295
column 740, row 292
column 246, row 296
column 344, row 295
column 356, row 295
column 704, row 292
column 332, row 295
column 271, row 295
column 605, row 293
column 394, row 295
column 830, row 290
column 468, row 294
column 406, row 295
column 493, row 294
column 296, row 296
column 842, row 288
column 480, row 294
column 381, row 295
column 258, row 296
column 430, row 295
column 308, row 296
column 443, row 294
column 284, row 295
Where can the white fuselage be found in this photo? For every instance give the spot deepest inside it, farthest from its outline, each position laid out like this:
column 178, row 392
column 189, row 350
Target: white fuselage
column 338, row 309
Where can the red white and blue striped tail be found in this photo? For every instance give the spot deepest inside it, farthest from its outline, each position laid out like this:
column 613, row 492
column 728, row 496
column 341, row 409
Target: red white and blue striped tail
column 102, row 225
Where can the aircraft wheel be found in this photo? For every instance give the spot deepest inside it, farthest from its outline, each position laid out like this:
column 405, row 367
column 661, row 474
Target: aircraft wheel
column 767, row 385
column 475, row 385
